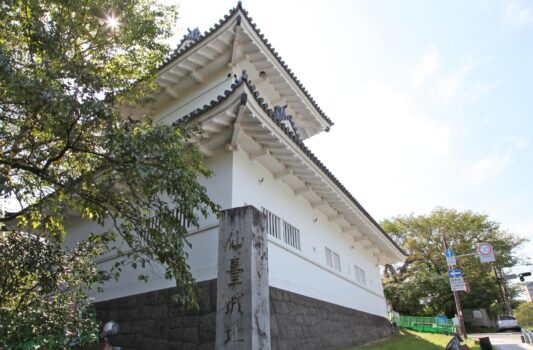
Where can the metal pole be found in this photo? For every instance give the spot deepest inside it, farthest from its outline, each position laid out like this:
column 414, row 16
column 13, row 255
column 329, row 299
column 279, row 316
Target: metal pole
column 508, row 305
column 460, row 313
column 457, row 298
column 500, row 287
column 506, row 300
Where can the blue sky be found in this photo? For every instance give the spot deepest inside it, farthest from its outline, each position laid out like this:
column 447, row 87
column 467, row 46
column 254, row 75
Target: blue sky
column 432, row 100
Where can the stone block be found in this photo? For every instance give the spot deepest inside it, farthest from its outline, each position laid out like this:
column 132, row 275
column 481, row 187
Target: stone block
column 189, row 346
column 175, row 322
column 204, row 300
column 189, row 320
column 190, row 335
column 159, row 312
column 138, row 326
column 206, row 328
column 174, row 345
column 207, row 346
column 174, row 309
column 243, row 310
column 175, row 334
column 274, row 330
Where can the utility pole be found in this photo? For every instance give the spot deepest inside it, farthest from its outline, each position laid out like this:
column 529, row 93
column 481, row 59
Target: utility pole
column 500, row 287
column 457, row 298
column 503, row 289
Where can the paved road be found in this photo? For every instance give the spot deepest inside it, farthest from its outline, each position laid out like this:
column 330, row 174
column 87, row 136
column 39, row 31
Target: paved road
column 504, row 341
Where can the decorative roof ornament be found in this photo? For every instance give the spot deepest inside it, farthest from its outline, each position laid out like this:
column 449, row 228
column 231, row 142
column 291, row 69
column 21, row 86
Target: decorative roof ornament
column 192, row 35
column 280, row 113
column 189, row 39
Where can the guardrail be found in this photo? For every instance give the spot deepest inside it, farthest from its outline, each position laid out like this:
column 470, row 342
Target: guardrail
column 527, row 336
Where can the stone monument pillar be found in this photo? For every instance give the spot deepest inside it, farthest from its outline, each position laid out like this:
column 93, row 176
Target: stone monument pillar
column 243, row 313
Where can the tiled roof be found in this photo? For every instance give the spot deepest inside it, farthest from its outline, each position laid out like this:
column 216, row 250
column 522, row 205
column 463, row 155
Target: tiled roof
column 294, row 137
column 175, row 54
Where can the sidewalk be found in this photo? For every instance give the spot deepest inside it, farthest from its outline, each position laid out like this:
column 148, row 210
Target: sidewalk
column 513, row 346
column 505, row 341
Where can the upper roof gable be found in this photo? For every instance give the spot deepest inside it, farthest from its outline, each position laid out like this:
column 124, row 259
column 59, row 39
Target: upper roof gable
column 239, row 39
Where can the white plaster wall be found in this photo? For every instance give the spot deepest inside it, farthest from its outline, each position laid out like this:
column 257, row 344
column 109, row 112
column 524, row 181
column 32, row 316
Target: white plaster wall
column 203, row 256
column 299, row 274
column 203, row 267
column 219, row 184
column 194, row 98
column 305, row 272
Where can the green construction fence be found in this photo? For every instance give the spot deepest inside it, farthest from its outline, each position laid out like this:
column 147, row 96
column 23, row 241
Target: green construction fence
column 435, row 324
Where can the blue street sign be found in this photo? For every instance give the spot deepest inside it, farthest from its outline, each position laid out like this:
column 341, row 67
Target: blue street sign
column 449, row 253
column 455, row 273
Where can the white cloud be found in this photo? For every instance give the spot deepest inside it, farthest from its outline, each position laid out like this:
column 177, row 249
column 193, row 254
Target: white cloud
column 427, row 66
column 515, row 14
column 449, row 86
column 489, row 167
column 454, row 84
column 517, row 143
column 387, row 117
column 378, row 148
column 522, row 229
column 473, row 91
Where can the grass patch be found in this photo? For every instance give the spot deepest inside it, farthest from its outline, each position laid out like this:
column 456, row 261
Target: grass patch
column 409, row 340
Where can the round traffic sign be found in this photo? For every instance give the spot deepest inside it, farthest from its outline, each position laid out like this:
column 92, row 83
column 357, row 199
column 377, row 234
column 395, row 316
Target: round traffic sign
column 484, row 249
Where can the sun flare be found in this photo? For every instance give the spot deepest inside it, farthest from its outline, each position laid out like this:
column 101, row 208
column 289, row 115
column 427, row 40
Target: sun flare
column 112, row 22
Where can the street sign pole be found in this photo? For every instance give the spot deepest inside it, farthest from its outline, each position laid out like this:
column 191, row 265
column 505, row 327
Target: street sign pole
column 457, row 300
column 460, row 313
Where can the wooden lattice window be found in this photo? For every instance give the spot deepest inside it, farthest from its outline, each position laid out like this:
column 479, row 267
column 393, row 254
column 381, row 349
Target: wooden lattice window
column 282, row 230
column 333, row 259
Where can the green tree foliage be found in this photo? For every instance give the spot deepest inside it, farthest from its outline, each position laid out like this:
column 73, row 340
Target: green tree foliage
column 524, row 314
column 43, row 289
column 69, row 71
column 420, row 286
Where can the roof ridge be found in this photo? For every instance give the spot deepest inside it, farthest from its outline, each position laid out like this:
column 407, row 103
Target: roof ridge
column 176, row 52
column 244, row 80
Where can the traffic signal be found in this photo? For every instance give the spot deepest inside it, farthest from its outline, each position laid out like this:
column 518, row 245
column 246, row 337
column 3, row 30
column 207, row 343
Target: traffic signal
column 523, row 274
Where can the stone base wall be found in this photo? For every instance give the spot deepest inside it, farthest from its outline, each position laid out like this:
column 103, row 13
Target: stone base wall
column 299, row 322
column 153, row 321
